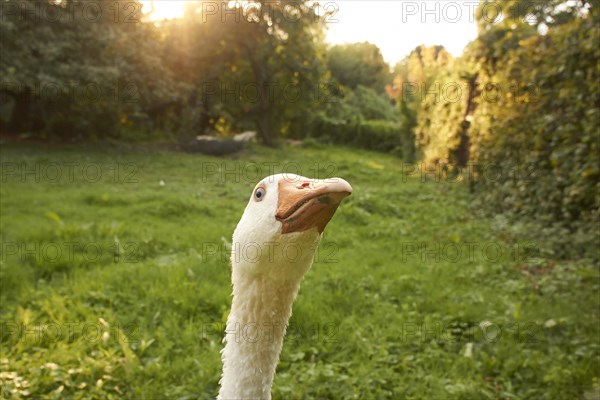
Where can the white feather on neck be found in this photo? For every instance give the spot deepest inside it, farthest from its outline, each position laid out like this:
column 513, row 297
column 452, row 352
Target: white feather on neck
column 267, row 268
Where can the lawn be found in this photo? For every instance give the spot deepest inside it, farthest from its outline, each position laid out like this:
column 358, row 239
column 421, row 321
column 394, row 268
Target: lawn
column 116, row 283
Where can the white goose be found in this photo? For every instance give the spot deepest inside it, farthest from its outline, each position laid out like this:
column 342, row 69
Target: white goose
column 273, row 247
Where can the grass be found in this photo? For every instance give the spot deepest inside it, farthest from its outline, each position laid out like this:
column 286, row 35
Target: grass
column 115, row 284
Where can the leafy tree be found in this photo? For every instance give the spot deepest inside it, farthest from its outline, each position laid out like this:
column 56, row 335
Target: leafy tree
column 537, row 13
column 358, row 64
column 270, row 61
column 415, row 78
column 79, row 67
column 544, row 122
column 529, row 112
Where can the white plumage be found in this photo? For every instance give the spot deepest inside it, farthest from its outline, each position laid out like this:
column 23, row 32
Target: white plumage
column 276, row 239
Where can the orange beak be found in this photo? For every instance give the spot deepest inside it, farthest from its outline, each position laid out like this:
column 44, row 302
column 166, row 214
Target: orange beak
column 305, row 204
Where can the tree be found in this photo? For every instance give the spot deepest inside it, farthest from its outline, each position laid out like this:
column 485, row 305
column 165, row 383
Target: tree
column 537, row 13
column 528, row 111
column 359, row 64
column 270, row 62
column 414, row 88
column 75, row 68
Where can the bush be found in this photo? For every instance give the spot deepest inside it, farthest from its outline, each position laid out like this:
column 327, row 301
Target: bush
column 361, row 118
column 380, row 135
column 547, row 127
column 538, row 126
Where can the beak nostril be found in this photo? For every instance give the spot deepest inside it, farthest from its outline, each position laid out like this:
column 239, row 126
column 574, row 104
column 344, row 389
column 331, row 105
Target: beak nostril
column 304, row 185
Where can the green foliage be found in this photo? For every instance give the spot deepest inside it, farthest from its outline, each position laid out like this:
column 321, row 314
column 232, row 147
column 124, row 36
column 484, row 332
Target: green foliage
column 357, row 64
column 362, row 118
column 70, row 73
column 546, row 125
column 378, row 135
column 441, row 115
column 414, row 78
column 259, row 69
column 523, row 105
column 362, row 102
column 546, row 13
column 371, row 105
column 276, row 62
column 372, row 320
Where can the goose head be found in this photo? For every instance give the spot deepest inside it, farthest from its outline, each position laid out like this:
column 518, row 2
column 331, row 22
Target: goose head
column 283, row 223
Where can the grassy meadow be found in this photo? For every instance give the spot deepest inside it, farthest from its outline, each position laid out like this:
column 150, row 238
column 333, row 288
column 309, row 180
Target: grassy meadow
column 115, row 283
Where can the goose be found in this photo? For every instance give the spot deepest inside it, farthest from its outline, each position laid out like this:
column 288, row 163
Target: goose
column 273, row 246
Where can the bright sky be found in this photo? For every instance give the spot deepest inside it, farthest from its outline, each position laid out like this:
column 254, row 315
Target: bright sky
column 395, row 26
column 398, row 26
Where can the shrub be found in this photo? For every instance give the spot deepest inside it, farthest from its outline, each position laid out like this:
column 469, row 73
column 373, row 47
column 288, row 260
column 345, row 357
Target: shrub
column 538, row 126
column 380, row 135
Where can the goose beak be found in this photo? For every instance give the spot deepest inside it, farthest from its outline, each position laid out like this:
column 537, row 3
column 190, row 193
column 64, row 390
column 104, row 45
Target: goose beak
column 304, row 204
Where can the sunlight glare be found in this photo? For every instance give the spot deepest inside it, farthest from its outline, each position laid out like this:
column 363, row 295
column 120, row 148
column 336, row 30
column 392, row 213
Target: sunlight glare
column 163, row 9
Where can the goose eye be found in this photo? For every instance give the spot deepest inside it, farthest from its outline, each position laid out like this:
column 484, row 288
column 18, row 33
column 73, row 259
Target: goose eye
column 259, row 194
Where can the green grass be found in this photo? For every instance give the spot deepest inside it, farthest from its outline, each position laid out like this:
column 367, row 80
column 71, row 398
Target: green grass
column 134, row 304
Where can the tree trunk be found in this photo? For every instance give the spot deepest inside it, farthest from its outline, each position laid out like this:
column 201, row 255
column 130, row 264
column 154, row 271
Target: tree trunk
column 462, row 153
column 20, row 113
column 264, row 128
column 264, row 111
